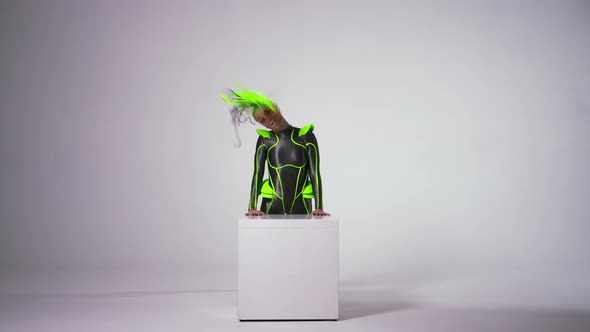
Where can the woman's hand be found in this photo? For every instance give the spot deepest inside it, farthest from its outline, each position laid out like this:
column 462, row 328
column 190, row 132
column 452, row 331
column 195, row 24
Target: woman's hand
column 320, row 212
column 254, row 212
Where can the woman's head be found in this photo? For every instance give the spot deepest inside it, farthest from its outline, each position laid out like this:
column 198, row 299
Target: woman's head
column 272, row 120
column 248, row 104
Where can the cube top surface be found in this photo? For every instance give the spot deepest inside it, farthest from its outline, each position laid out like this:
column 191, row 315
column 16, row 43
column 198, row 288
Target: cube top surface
column 288, row 217
column 293, row 220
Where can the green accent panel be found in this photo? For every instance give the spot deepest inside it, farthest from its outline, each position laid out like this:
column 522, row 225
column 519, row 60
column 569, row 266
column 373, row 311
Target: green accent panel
column 308, row 190
column 306, row 129
column 266, row 191
column 263, row 133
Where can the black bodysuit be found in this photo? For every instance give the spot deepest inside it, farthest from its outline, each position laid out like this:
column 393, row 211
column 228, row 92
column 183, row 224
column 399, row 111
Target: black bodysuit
column 293, row 160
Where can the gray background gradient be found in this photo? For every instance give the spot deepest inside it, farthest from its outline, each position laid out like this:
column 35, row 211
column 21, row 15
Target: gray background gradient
column 454, row 136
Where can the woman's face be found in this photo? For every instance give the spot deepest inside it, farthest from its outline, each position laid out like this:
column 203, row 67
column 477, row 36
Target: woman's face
column 272, row 120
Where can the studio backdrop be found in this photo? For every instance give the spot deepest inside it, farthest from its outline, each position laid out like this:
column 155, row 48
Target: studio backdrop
column 454, row 140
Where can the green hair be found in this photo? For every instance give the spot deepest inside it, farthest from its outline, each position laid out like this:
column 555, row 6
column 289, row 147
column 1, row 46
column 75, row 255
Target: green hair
column 245, row 104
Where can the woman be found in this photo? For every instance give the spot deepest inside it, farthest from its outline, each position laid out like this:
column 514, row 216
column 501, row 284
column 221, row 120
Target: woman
column 291, row 154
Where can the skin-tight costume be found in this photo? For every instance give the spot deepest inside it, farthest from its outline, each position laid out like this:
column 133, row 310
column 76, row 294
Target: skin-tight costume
column 293, row 162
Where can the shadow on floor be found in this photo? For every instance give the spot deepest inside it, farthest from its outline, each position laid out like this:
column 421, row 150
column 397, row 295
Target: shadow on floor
column 355, row 303
column 504, row 319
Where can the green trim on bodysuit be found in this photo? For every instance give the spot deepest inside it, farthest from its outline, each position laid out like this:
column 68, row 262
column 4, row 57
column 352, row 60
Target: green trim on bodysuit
column 293, row 159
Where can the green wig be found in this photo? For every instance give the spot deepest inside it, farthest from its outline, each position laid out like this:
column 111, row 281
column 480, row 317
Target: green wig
column 246, row 103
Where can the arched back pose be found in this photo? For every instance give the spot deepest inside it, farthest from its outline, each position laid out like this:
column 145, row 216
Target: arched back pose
column 291, row 154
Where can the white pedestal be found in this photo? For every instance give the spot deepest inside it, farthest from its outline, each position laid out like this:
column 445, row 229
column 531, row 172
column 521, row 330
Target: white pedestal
column 288, row 268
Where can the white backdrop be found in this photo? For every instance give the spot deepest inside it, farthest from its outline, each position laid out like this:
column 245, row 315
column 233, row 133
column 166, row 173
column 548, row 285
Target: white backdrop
column 454, row 138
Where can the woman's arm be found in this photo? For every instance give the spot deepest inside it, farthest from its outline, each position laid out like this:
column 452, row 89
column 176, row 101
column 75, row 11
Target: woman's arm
column 313, row 154
column 259, row 162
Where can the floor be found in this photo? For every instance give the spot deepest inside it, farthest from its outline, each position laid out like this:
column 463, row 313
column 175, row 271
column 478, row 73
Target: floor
column 361, row 309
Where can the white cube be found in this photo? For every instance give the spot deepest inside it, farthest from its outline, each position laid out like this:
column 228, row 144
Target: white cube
column 288, row 267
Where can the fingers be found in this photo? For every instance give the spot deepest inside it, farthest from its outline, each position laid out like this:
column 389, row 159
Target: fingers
column 255, row 213
column 260, row 213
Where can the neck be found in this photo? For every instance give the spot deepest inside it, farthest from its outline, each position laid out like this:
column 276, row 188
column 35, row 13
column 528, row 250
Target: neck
column 284, row 125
